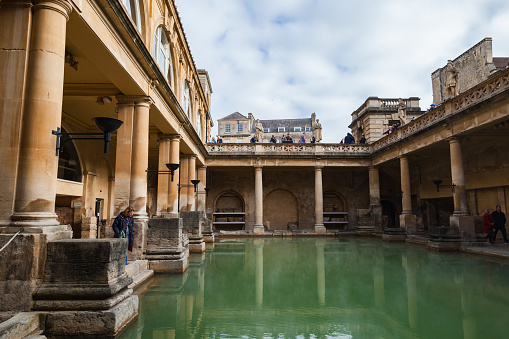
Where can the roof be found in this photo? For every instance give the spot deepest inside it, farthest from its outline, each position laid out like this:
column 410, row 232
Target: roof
column 501, row 62
column 234, row 116
column 289, row 124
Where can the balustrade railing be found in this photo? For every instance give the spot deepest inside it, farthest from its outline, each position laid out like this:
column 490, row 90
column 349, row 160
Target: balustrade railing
column 282, row 149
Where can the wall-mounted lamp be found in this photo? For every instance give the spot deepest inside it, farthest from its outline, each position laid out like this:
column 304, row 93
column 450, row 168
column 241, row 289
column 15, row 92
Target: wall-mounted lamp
column 438, row 184
column 172, row 168
column 103, row 100
column 106, row 125
column 195, row 184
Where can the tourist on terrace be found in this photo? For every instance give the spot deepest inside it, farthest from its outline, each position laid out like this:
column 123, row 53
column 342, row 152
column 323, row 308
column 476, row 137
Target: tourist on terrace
column 313, row 140
column 487, row 223
column 219, row 140
column 499, row 223
column 273, row 139
column 431, row 107
column 213, row 141
column 363, row 140
column 289, row 138
column 123, row 227
column 303, row 138
column 254, row 139
column 349, row 139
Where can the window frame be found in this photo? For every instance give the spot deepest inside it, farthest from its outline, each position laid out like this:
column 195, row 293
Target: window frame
column 281, row 129
column 227, row 128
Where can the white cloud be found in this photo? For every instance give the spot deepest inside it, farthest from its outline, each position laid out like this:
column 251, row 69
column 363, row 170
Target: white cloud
column 289, row 58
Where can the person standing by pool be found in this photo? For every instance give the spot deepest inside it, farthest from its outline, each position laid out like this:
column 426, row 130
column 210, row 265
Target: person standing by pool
column 123, row 226
column 499, row 223
column 487, row 223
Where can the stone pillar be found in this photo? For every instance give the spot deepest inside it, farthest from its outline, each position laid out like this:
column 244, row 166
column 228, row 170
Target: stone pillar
column 374, row 198
column 320, row 271
column 258, row 244
column 458, row 178
column 184, row 182
column 163, row 178
column 191, row 194
column 173, row 185
column 123, row 154
column 193, row 222
column 167, row 246
column 138, row 187
column 319, row 226
column 460, row 218
column 34, row 207
column 202, row 176
column 13, row 68
column 407, row 220
column 258, row 225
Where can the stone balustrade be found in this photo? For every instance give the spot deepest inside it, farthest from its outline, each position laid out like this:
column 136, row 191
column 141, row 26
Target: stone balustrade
column 317, row 149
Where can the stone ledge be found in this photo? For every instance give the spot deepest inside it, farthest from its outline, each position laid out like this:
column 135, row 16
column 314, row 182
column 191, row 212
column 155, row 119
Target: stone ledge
column 20, row 326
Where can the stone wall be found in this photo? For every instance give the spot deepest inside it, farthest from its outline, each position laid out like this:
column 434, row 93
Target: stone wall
column 473, row 67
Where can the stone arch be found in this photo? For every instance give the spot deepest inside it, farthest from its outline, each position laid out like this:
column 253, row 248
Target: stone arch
column 70, row 165
column 334, row 202
column 280, row 210
column 229, row 201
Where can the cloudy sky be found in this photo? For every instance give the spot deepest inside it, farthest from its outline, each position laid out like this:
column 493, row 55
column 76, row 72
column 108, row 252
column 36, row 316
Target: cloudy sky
column 289, row 58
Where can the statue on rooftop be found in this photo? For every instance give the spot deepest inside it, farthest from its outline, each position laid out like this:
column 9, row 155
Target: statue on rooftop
column 401, row 111
column 451, row 81
column 258, row 130
column 318, row 131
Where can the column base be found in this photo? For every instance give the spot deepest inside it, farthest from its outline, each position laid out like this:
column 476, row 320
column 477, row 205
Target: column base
column 258, row 229
column 51, row 232
column 168, row 215
column 140, row 240
column 408, row 222
column 466, row 226
column 320, row 228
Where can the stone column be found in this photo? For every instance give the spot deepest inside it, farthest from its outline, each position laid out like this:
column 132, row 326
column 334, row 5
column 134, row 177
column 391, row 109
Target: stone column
column 202, row 176
column 191, row 195
column 34, row 206
column 123, row 154
column 163, row 179
column 173, row 185
column 458, row 178
column 319, row 226
column 13, row 69
column 184, row 182
column 258, row 225
column 138, row 188
column 407, row 220
column 374, row 198
column 460, row 218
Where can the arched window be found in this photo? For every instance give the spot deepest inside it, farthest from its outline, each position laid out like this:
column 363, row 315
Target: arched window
column 198, row 124
column 69, row 166
column 133, row 8
column 162, row 54
column 186, row 99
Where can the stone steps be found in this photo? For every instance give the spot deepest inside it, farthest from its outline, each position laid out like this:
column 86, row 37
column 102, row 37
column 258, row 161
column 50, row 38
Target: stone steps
column 139, row 272
column 22, row 325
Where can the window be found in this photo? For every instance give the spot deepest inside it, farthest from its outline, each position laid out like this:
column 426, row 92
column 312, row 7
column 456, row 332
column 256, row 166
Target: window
column 307, row 129
column 162, row 54
column 133, row 8
column 266, row 130
column 198, row 125
column 240, row 128
column 297, row 129
column 69, row 166
column 227, row 128
column 186, row 99
column 240, row 140
column 280, row 129
column 226, row 141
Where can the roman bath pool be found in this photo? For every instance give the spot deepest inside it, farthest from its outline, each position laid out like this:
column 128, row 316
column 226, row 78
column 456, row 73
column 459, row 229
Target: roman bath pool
column 326, row 288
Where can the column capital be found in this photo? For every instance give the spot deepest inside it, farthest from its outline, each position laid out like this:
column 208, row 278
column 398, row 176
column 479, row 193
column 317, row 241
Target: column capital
column 454, row 140
column 175, row 137
column 319, row 167
column 258, row 166
column 138, row 100
column 202, row 167
column 16, row 3
column 61, row 6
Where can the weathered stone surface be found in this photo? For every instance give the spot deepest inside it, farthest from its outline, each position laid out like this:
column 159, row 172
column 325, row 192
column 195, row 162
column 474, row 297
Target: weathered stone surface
column 169, row 266
column 80, row 304
column 193, row 222
column 20, row 326
column 88, row 323
column 164, row 233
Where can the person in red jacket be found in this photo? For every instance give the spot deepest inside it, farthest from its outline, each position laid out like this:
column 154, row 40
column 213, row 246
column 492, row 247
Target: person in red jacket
column 487, row 224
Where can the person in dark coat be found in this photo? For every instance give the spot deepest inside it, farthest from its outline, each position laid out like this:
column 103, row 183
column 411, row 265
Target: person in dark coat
column 349, row 139
column 499, row 223
column 123, row 226
column 363, row 140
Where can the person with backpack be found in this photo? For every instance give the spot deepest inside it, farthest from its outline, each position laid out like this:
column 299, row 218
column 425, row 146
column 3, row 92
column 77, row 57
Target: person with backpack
column 123, row 226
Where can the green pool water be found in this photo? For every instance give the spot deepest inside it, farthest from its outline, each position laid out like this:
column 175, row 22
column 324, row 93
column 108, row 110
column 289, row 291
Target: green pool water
column 326, row 288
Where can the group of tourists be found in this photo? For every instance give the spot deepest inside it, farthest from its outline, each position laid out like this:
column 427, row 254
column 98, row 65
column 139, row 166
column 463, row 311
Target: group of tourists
column 494, row 222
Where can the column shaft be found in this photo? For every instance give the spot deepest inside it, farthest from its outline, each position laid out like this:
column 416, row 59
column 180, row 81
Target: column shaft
column 184, row 182
column 138, row 191
column 173, row 185
column 374, row 186
column 258, row 225
column 458, row 178
column 191, row 195
column 37, row 166
column 319, row 226
column 163, row 179
column 405, row 186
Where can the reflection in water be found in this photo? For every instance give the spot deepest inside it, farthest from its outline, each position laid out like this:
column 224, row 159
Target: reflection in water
column 326, row 288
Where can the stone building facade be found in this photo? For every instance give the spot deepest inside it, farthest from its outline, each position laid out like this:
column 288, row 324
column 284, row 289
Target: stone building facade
column 237, row 128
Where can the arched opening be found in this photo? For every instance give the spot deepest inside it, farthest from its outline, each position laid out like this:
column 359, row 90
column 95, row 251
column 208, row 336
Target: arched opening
column 229, row 212
column 389, row 215
column 280, row 210
column 133, row 9
column 335, row 215
column 186, row 99
column 333, row 202
column 69, row 166
column 162, row 55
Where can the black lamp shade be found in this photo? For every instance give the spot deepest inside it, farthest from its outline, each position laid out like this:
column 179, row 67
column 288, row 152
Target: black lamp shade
column 107, row 124
column 195, row 182
column 173, row 167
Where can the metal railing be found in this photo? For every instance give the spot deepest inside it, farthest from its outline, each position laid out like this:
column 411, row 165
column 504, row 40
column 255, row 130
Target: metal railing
column 10, row 240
